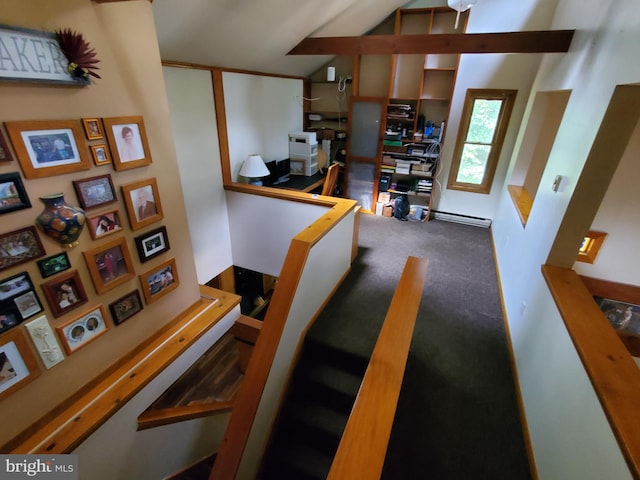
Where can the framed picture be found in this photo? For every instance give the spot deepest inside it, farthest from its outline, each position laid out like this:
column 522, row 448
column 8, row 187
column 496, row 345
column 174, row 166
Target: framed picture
column 20, row 246
column 104, row 224
column 110, row 265
column 126, row 307
column 64, row 293
column 5, row 153
column 54, row 264
column 128, row 141
column 49, row 147
column 18, row 300
column 82, row 329
column 143, row 203
column 100, row 154
column 18, row 364
column 92, row 128
column 13, row 196
column 152, row 243
column 159, row 281
column 95, row 191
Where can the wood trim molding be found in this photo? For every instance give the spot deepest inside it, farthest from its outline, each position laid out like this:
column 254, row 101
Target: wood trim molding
column 522, row 201
column 363, row 446
column 62, row 429
column 613, row 373
column 552, row 41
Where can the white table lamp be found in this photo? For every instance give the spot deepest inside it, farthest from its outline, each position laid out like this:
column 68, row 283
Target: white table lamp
column 253, row 169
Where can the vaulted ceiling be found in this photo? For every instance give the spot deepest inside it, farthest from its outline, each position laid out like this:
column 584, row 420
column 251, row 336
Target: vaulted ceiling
column 257, row 34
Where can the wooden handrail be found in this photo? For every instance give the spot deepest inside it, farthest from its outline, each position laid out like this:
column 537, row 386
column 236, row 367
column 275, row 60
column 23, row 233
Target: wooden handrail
column 363, row 446
column 613, row 373
column 67, row 425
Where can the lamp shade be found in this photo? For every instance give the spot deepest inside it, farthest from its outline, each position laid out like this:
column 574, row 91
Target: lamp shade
column 254, row 167
column 461, row 5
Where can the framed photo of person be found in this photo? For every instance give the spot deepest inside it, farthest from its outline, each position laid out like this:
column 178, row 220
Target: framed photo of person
column 104, row 224
column 54, row 264
column 18, row 300
column 126, row 307
column 159, row 281
column 152, row 243
column 95, row 191
column 85, row 328
column 100, row 154
column 20, row 246
column 5, row 153
column 13, row 196
column 127, row 139
column 143, row 203
column 64, row 293
column 110, row 265
column 93, row 128
column 18, row 364
column 49, row 147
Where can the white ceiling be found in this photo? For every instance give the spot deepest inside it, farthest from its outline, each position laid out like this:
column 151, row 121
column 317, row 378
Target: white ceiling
column 257, row 34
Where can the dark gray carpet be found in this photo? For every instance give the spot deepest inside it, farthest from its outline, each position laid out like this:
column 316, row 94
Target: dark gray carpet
column 457, row 415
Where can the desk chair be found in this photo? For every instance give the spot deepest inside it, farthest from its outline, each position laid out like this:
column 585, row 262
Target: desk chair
column 331, row 179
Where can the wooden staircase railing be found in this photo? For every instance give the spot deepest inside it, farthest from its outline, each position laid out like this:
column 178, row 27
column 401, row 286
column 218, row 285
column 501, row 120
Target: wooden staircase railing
column 363, row 447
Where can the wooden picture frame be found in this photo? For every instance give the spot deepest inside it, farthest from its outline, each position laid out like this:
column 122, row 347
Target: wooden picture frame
column 109, row 264
column 143, row 203
column 5, row 152
column 49, row 147
column 127, row 139
column 13, row 195
column 159, row 281
column 18, row 364
column 152, row 243
column 126, row 307
column 20, row 246
column 54, row 264
column 18, row 300
column 64, row 293
column 100, row 154
column 84, row 328
column 93, row 128
column 95, row 191
column 106, row 223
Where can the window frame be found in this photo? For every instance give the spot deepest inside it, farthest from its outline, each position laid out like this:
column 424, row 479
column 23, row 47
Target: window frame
column 508, row 98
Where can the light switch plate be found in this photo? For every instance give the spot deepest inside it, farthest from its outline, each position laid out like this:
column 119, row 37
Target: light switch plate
column 45, row 341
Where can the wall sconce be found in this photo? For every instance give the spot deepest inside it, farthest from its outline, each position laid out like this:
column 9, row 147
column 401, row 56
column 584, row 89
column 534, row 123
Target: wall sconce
column 253, row 169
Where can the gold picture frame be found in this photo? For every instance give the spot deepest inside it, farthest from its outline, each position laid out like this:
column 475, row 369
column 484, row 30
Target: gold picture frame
column 93, row 128
column 100, row 154
column 127, row 139
column 49, row 147
column 109, row 265
column 159, row 281
column 142, row 200
column 18, row 364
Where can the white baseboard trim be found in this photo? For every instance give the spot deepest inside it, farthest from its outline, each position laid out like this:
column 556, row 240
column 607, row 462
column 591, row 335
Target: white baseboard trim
column 458, row 218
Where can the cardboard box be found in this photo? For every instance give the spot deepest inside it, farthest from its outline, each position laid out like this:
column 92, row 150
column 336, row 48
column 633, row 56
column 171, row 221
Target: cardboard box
column 387, row 211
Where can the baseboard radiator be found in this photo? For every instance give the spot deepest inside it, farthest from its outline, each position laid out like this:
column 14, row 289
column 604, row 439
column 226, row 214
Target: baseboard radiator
column 465, row 219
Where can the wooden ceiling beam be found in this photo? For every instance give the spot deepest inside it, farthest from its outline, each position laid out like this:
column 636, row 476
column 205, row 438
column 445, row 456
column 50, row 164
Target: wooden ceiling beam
column 551, row 41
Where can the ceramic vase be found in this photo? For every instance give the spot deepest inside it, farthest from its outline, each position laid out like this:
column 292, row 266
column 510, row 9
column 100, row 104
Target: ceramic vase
column 61, row 221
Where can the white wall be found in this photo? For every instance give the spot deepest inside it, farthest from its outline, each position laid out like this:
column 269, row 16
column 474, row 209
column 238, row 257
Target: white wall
column 618, row 260
column 492, row 71
column 193, row 120
column 262, row 229
column 261, row 111
column 570, row 435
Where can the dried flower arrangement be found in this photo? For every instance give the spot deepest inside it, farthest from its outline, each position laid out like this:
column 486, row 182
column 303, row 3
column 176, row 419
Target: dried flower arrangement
column 82, row 58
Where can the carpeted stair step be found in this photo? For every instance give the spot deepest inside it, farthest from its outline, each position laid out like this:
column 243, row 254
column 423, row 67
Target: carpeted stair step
column 293, row 460
column 317, row 352
column 311, row 423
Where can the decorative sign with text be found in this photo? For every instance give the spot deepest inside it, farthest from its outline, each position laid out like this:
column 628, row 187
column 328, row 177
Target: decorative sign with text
column 33, row 56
